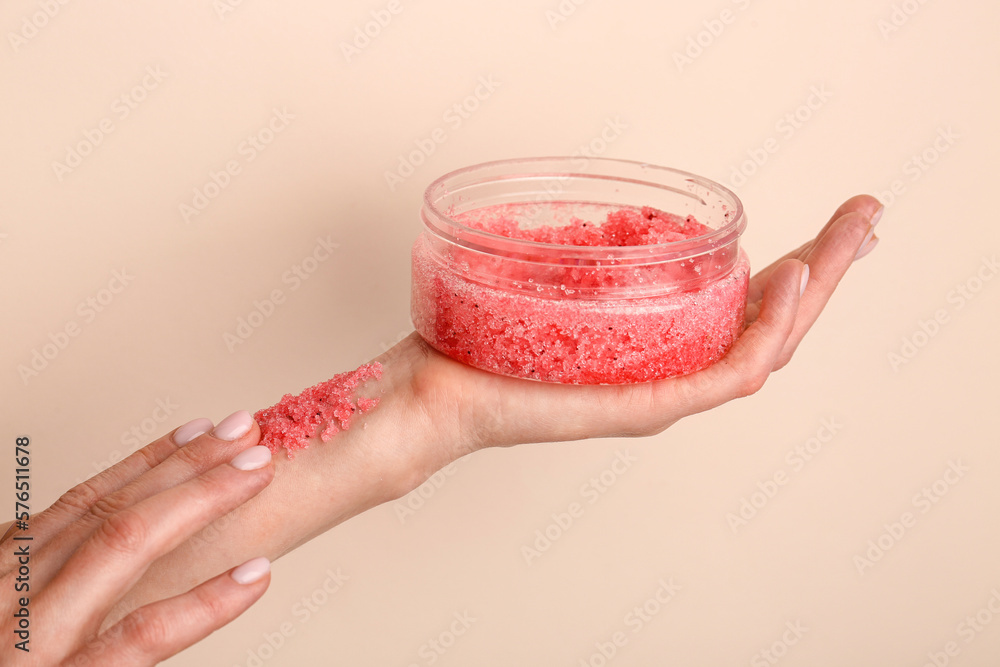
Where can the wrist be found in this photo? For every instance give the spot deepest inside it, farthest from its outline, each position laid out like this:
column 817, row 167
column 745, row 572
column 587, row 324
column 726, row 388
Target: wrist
column 416, row 429
column 464, row 409
column 428, row 412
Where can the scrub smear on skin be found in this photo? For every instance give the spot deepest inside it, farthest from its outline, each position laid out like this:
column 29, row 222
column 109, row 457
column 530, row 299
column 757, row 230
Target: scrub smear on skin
column 320, row 411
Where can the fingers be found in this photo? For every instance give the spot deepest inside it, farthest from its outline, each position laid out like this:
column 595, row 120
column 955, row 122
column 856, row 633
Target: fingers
column 233, row 434
column 754, row 354
column 162, row 629
column 867, row 247
column 113, row 558
column 864, row 205
column 644, row 409
column 850, row 237
column 76, row 502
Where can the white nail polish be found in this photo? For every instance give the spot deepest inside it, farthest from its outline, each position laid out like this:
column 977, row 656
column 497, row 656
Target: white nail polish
column 867, row 248
column 234, row 426
column 864, row 249
column 252, row 459
column 804, row 280
column 192, row 430
column 251, row 571
column 876, row 216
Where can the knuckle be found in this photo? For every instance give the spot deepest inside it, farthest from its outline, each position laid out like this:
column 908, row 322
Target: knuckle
column 125, row 532
column 784, row 357
column 79, row 499
column 149, row 457
column 91, row 654
column 752, row 381
column 145, row 633
column 81, row 659
column 212, row 608
column 218, row 490
column 192, row 458
column 215, row 484
column 108, row 506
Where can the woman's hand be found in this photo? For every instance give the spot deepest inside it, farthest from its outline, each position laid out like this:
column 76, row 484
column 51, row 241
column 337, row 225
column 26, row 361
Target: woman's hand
column 495, row 410
column 433, row 410
column 82, row 555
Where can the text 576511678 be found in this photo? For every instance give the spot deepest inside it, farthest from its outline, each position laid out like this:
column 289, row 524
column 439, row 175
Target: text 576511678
column 22, row 542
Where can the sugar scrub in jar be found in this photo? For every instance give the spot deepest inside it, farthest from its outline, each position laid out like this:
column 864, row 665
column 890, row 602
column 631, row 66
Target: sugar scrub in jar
column 584, row 271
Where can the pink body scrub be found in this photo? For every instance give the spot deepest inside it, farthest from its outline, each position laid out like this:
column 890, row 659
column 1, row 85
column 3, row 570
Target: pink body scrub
column 529, row 269
column 322, row 410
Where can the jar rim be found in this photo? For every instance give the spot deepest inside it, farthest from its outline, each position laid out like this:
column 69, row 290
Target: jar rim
column 561, row 168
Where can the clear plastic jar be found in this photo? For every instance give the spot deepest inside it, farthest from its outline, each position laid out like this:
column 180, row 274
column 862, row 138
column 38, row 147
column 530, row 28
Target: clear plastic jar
column 584, row 314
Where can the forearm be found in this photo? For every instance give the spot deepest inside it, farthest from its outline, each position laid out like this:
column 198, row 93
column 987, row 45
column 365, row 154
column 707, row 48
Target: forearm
column 384, row 454
column 434, row 410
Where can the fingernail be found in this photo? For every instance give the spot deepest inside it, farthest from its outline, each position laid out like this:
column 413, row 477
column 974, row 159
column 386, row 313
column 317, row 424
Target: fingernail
column 864, row 249
column 867, row 248
column 192, row 430
column 251, row 459
column 876, row 216
column 804, row 280
column 251, row 571
column 234, row 426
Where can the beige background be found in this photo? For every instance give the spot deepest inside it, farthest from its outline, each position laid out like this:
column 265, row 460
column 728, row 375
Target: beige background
column 890, row 95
